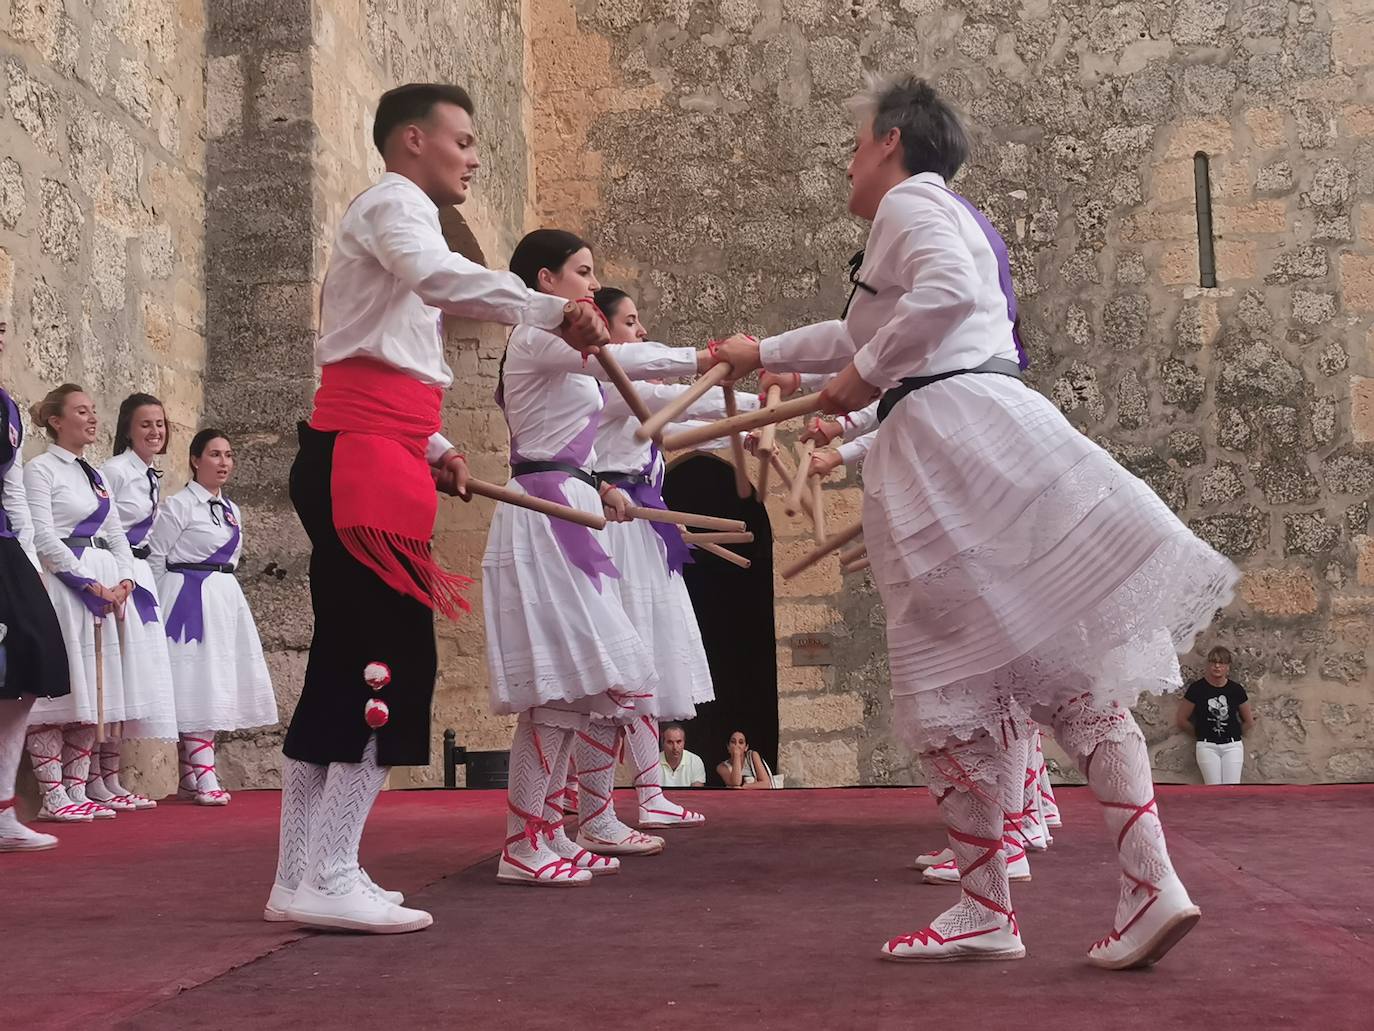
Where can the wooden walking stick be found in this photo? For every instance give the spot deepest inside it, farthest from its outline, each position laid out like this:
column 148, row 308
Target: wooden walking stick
column 741, row 423
column 742, row 485
column 99, row 684
column 719, row 537
column 833, row 544
column 483, row 489
column 787, row 477
column 767, row 441
column 652, row 427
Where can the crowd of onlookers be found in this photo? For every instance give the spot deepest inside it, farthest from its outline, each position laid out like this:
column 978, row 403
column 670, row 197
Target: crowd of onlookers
column 743, row 767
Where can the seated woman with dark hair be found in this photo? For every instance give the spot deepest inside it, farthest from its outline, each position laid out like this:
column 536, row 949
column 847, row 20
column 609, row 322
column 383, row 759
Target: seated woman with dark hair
column 745, row 768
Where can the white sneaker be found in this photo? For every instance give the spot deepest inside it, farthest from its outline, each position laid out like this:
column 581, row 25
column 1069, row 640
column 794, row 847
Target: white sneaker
column 15, row 837
column 1156, row 925
column 279, row 901
column 359, row 910
column 394, row 897
column 928, row 859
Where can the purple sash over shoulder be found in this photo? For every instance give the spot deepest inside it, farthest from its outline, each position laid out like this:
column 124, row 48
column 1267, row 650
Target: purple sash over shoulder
column 578, row 544
column 999, row 250
column 14, row 429
column 88, row 528
column 650, row 495
column 186, row 621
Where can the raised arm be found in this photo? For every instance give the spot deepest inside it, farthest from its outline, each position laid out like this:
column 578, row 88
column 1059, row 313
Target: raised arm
column 533, row 349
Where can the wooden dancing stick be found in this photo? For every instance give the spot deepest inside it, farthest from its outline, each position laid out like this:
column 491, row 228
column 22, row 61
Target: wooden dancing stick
column 768, row 436
column 853, row 554
column 799, row 481
column 817, row 509
column 653, row 426
column 742, row 485
column 616, row 374
column 740, row 423
column 99, row 684
column 857, row 566
column 483, row 489
column 664, row 515
column 787, row 477
column 719, row 537
column 727, row 554
column 833, row 544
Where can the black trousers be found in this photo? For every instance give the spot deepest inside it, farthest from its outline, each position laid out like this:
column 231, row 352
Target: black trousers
column 358, row 620
column 35, row 654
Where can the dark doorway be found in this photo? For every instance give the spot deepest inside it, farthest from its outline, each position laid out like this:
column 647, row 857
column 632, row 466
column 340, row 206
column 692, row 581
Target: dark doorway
column 734, row 609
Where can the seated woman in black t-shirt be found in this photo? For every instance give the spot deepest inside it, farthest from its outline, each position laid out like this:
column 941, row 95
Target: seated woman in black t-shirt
column 1217, row 710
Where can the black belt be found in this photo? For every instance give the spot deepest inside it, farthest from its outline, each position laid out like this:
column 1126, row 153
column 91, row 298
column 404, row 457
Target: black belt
column 995, row 366
column 616, row 479
column 86, row 542
column 142, row 551
column 201, row 567
column 525, row 468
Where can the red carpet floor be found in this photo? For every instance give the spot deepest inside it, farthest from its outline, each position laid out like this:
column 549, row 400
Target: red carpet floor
column 770, row 916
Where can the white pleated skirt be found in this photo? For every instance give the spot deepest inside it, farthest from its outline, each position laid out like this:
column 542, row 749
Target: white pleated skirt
column 78, row 634
column 551, row 635
column 661, row 611
column 1020, row 565
column 221, row 681
column 147, row 671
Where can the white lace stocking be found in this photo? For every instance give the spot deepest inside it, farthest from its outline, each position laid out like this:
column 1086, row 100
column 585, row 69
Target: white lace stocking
column 336, row 826
column 641, row 737
column 532, row 755
column 1109, row 748
column 199, row 747
column 78, row 739
column 1014, row 824
column 110, row 763
column 301, row 787
column 1045, row 792
column 14, row 714
column 45, row 753
column 967, row 780
column 552, row 813
column 596, row 759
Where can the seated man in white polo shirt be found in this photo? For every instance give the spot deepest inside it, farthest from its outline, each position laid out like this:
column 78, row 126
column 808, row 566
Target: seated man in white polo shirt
column 681, row 768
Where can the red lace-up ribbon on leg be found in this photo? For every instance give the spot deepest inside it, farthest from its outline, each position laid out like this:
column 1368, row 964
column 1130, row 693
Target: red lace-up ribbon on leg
column 198, row 769
column 1138, row 883
column 536, row 827
column 991, row 848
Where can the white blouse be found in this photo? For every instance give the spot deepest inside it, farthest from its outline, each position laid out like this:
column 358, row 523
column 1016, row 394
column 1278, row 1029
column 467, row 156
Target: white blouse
column 190, row 529
column 390, row 279
column 61, row 497
column 617, row 448
column 135, row 489
column 937, row 306
column 550, row 395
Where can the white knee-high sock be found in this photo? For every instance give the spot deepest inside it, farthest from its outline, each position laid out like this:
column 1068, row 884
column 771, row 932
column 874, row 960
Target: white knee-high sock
column 336, row 828
column 596, row 760
column 78, row 740
column 301, row 786
column 14, row 714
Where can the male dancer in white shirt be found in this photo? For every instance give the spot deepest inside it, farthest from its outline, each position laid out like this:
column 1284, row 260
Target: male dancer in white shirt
column 364, row 487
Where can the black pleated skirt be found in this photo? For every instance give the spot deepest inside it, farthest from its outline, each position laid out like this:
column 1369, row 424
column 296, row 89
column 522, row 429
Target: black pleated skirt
column 35, row 654
column 358, row 620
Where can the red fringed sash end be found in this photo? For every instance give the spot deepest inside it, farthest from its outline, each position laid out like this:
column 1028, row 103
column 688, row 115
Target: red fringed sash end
column 407, row 566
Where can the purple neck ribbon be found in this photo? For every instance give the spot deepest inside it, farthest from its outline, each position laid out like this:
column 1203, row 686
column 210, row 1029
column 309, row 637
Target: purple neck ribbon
column 999, row 250
column 186, row 621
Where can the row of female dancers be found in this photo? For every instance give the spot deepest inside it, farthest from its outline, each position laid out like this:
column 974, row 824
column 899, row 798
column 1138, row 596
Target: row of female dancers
column 123, row 618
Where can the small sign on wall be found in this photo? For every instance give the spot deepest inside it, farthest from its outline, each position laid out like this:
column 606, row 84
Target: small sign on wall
column 812, row 649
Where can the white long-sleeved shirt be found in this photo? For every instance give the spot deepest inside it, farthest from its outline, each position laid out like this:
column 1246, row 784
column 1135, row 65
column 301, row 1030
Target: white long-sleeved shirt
column 61, row 497
column 617, row 448
column 391, row 278
column 187, row 530
column 550, row 395
column 13, row 498
column 852, row 452
column 938, row 305
column 135, row 490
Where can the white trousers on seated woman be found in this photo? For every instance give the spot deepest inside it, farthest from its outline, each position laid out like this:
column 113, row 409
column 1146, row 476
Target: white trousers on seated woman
column 1220, row 764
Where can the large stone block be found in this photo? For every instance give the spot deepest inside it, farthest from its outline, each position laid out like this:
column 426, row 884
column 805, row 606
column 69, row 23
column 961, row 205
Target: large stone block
column 827, row 713
column 817, row 764
column 1362, row 409
column 1282, row 592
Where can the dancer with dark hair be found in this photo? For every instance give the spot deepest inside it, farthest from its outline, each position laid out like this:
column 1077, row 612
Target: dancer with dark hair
column 364, row 486
column 1023, row 571
column 218, row 669
column 562, row 652
column 135, row 488
column 35, row 654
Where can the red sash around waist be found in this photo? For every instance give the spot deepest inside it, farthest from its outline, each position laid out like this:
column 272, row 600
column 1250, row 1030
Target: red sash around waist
column 382, row 491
